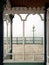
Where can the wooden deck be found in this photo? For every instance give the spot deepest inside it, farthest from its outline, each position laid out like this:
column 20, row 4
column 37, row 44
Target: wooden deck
column 27, row 52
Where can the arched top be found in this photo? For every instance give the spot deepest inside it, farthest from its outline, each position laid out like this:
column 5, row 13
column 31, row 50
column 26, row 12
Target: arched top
column 7, row 17
column 41, row 17
column 22, row 18
column 28, row 16
column 16, row 15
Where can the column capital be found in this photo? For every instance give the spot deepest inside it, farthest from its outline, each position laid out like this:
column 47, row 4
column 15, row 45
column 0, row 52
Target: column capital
column 11, row 16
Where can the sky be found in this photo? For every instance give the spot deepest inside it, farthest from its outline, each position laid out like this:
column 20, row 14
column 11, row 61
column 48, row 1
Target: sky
column 32, row 20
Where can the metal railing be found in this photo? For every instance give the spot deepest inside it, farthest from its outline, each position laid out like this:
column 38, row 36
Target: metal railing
column 27, row 40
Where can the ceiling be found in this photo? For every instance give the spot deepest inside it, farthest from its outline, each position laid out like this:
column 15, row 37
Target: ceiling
column 28, row 3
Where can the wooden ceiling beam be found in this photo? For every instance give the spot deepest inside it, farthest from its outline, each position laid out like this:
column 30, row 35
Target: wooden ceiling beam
column 28, row 3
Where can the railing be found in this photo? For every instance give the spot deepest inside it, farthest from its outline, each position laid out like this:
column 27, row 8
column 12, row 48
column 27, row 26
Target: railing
column 27, row 40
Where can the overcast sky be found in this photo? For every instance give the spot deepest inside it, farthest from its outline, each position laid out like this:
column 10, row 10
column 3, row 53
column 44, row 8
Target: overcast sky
column 18, row 26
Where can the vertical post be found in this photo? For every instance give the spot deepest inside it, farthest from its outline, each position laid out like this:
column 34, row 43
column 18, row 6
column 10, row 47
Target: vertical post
column 11, row 18
column 16, row 40
column 10, row 35
column 11, row 39
column 23, row 38
column 42, row 40
column 7, row 34
column 1, row 35
column 33, row 33
column 45, row 31
column 2, row 2
column 45, row 39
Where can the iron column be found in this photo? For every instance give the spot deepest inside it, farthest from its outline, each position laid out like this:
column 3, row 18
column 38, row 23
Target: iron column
column 11, row 18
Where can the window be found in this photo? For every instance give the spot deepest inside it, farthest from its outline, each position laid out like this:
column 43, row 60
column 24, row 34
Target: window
column 28, row 38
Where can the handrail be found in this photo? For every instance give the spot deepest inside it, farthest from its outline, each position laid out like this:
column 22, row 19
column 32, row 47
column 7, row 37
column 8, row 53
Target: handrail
column 26, row 40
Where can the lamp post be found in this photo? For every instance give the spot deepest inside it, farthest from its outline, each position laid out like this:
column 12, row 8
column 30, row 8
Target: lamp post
column 33, row 32
column 11, row 18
